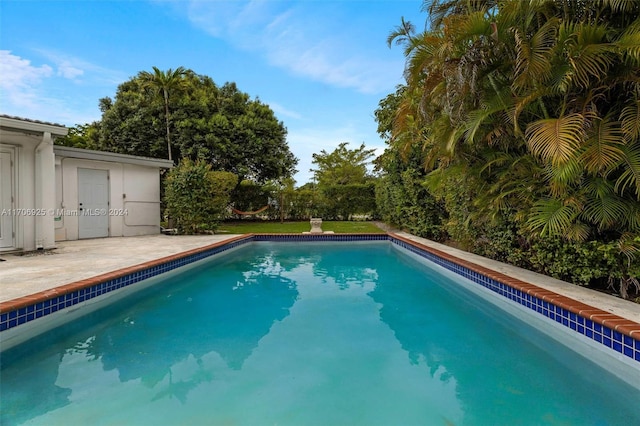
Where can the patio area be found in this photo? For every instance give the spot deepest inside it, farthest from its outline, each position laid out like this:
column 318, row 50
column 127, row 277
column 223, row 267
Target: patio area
column 21, row 275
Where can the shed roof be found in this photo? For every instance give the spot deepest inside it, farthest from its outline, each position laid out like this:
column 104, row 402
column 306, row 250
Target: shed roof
column 26, row 125
column 88, row 154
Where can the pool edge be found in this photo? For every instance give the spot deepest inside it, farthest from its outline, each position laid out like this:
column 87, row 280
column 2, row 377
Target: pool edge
column 612, row 331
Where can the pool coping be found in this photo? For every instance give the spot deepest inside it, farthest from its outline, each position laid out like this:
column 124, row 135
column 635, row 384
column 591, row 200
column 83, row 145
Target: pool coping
column 611, row 330
column 624, row 325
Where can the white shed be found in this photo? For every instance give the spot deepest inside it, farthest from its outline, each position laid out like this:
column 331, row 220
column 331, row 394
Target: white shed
column 53, row 193
column 103, row 194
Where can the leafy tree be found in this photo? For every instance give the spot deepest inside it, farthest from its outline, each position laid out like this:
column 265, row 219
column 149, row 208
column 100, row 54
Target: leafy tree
column 342, row 166
column 404, row 201
column 343, row 201
column 249, row 196
column 219, row 125
column 298, row 203
column 343, row 181
column 197, row 197
column 302, row 202
column 84, row 136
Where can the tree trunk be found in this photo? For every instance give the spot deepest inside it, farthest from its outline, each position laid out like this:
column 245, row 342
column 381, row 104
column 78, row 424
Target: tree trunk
column 166, row 117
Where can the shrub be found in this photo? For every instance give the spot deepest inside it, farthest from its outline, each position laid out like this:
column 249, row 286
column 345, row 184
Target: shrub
column 196, row 197
column 343, row 201
column 403, row 201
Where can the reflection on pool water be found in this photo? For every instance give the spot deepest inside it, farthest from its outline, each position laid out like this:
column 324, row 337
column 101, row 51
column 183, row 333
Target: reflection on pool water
column 306, row 333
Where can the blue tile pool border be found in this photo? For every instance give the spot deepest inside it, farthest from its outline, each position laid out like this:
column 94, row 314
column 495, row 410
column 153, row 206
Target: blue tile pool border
column 28, row 308
column 616, row 333
column 22, row 310
column 612, row 331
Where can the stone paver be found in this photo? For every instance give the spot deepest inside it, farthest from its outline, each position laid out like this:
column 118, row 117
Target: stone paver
column 76, row 260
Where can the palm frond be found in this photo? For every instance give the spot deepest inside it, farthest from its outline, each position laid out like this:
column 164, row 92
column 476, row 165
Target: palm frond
column 402, row 34
column 563, row 175
column 476, row 119
column 552, row 216
column 633, row 219
column 630, row 177
column 629, row 246
column 556, row 140
column 524, row 102
column 602, row 206
column 630, row 120
column 577, row 231
column 476, row 24
column 496, row 160
column 629, row 46
column 533, row 62
column 621, row 5
column 602, row 147
column 587, row 51
column 437, row 180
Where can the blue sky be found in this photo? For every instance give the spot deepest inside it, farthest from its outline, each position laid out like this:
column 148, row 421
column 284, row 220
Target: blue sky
column 322, row 66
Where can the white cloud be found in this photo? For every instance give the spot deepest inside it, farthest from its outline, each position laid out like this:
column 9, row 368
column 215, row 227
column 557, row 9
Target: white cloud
column 66, row 70
column 307, row 40
column 39, row 92
column 71, row 68
column 280, row 110
column 213, row 17
column 19, row 77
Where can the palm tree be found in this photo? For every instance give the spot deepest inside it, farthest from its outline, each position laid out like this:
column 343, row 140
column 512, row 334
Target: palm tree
column 162, row 83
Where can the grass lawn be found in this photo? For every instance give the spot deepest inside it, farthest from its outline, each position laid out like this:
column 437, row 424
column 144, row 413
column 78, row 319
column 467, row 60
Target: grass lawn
column 339, row 227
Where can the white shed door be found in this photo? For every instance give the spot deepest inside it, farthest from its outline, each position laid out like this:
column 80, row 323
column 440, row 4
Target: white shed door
column 93, row 203
column 6, row 199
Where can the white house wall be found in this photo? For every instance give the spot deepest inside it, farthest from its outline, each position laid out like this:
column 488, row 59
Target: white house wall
column 32, row 194
column 60, row 231
column 134, row 198
column 141, row 200
column 44, row 193
column 25, row 226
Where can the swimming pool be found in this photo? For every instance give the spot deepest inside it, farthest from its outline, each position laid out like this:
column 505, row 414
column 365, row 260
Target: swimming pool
column 307, row 333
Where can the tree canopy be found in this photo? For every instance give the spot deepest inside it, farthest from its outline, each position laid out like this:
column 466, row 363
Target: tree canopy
column 343, row 181
column 198, row 120
column 342, row 166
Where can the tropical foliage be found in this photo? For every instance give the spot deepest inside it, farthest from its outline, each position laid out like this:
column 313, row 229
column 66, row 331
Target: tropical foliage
column 85, row 136
column 525, row 117
column 401, row 197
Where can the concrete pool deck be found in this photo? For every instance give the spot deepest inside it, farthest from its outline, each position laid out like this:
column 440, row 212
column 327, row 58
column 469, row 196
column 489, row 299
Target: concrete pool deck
column 76, row 260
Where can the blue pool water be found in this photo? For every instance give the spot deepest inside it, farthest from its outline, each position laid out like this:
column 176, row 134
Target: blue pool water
column 306, row 334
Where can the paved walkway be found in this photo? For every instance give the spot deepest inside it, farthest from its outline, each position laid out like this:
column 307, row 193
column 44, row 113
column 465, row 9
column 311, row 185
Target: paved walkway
column 76, row 260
